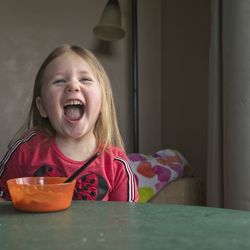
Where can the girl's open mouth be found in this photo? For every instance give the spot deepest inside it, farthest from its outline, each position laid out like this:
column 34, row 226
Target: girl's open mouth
column 74, row 110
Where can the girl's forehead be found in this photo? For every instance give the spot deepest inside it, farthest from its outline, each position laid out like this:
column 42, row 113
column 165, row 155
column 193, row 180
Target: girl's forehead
column 67, row 62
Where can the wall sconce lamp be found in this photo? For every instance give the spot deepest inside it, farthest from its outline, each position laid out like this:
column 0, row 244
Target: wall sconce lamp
column 109, row 27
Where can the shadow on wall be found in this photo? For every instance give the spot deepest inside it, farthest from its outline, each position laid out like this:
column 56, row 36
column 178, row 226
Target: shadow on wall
column 104, row 48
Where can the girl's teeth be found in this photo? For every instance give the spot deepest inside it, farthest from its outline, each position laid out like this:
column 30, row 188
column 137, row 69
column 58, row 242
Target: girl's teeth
column 73, row 102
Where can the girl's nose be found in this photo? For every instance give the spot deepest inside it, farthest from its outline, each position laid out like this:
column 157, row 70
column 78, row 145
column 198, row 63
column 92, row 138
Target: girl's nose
column 72, row 86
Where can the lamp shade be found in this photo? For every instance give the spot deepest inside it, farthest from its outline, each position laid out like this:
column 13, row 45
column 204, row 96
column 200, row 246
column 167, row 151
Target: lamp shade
column 109, row 27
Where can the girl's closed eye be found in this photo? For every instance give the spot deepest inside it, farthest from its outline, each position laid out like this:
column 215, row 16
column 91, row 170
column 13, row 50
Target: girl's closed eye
column 85, row 80
column 57, row 81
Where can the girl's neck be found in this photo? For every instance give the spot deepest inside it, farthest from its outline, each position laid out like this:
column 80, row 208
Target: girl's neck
column 77, row 149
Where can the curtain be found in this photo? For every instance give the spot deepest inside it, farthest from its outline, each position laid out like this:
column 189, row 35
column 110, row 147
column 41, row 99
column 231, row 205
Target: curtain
column 228, row 157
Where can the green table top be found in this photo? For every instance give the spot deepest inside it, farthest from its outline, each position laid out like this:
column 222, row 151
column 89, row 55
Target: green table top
column 119, row 225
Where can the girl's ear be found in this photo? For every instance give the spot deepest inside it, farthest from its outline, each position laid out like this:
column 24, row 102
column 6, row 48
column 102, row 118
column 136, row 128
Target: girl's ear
column 40, row 107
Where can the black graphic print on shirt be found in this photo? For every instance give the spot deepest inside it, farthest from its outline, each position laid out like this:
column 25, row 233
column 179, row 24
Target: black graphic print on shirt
column 47, row 170
column 89, row 187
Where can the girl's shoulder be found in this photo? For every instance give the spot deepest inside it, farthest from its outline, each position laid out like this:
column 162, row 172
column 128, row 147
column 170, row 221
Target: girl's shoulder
column 115, row 152
column 31, row 136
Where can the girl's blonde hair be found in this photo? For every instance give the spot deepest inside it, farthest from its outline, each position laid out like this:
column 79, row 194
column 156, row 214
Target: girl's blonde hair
column 106, row 128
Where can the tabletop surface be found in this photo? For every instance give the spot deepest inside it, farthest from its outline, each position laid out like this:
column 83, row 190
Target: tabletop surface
column 120, row 225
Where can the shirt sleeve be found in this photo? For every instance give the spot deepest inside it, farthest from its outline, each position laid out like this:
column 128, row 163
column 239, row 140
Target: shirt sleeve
column 9, row 168
column 125, row 186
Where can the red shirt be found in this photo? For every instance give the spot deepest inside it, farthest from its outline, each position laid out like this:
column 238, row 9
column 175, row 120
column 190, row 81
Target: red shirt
column 108, row 178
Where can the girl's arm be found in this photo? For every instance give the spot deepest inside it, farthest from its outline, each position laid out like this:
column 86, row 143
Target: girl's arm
column 125, row 185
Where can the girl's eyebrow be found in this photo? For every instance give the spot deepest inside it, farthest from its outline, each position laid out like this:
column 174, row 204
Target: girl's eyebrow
column 63, row 73
column 84, row 72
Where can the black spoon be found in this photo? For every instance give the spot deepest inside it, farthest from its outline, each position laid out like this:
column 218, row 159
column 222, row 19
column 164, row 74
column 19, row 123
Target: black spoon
column 73, row 176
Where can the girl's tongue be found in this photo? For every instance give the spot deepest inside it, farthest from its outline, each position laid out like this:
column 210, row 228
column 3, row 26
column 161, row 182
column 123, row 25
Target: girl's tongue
column 73, row 112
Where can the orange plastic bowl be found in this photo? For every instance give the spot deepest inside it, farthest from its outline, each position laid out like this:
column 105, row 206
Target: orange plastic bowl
column 41, row 194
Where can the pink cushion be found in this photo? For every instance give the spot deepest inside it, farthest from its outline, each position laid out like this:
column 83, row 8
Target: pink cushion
column 155, row 171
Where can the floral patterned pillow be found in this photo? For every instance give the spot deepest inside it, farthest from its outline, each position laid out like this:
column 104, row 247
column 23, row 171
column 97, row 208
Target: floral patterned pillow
column 153, row 172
